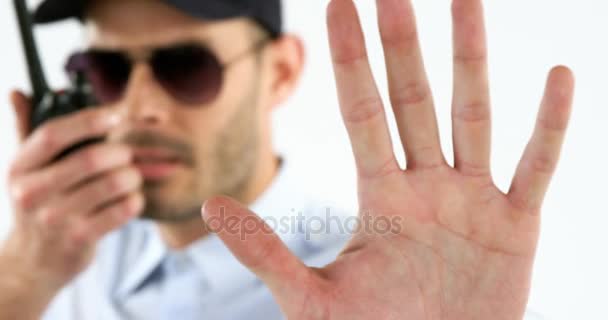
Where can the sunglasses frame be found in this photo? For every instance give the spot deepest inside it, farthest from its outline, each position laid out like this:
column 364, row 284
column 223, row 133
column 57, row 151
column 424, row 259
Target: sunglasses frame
column 80, row 62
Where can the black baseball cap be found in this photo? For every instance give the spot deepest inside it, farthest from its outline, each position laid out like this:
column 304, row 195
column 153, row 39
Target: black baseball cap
column 266, row 12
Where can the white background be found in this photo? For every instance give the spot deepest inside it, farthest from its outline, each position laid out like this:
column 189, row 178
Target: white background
column 526, row 39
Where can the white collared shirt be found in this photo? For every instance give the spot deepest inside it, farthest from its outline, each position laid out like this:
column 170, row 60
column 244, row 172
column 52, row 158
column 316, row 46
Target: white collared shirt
column 135, row 275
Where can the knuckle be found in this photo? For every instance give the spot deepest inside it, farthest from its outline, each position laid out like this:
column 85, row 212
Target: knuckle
column 114, row 216
column 138, row 202
column 399, row 33
column 111, row 184
column 526, row 204
column 364, row 110
column 119, row 155
column 132, row 178
column 473, row 169
column 90, row 120
column 54, row 174
column 90, row 160
column 119, row 151
column 115, row 213
column 48, row 137
column 553, row 124
column 387, row 168
column 474, row 112
column 22, row 195
column 118, row 182
column 81, row 237
column 132, row 205
column 544, row 164
column 137, row 178
column 432, row 155
column 471, row 56
column 102, row 157
column 50, row 218
column 13, row 173
column 411, row 94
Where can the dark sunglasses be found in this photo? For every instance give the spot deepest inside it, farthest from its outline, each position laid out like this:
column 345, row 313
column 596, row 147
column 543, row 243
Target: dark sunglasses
column 190, row 73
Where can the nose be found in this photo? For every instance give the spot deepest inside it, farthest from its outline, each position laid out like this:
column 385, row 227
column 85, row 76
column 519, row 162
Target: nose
column 145, row 104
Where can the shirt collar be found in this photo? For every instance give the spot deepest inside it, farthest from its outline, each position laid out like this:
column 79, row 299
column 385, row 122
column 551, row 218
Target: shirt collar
column 221, row 269
column 140, row 260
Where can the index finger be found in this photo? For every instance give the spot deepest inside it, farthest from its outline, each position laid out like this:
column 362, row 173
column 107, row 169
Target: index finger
column 256, row 245
column 59, row 134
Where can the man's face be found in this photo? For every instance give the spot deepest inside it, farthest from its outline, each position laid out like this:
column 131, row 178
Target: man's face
column 186, row 153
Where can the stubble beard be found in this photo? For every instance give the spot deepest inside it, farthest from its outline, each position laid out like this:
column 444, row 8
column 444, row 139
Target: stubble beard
column 229, row 171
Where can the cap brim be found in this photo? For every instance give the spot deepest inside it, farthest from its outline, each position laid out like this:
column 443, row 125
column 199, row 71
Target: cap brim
column 57, row 10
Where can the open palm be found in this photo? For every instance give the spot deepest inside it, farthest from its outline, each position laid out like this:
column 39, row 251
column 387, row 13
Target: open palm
column 455, row 246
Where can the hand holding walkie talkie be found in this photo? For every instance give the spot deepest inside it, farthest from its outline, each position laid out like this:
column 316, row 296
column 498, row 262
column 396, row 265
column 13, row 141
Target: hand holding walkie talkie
column 46, row 103
column 67, row 191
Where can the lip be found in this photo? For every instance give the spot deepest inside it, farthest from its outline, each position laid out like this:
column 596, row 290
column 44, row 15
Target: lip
column 156, row 164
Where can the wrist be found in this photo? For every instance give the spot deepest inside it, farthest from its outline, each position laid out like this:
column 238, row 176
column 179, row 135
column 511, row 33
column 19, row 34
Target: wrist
column 24, row 293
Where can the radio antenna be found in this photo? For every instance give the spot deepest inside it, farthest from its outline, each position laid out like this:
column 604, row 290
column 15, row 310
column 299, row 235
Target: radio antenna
column 37, row 79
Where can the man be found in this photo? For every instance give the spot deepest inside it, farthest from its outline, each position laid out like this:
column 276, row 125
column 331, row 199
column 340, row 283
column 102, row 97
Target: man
column 187, row 115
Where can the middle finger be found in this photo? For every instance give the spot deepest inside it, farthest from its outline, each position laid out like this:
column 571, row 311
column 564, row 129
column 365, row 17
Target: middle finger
column 409, row 88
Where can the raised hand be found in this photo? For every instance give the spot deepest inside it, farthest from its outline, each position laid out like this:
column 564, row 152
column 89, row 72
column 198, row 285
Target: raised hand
column 461, row 249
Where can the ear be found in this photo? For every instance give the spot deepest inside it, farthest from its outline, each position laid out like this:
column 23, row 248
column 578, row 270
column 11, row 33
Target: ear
column 288, row 58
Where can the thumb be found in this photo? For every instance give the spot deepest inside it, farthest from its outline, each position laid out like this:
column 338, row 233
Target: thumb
column 22, row 108
column 256, row 246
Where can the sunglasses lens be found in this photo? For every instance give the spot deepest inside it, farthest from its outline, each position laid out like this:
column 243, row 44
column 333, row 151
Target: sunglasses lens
column 107, row 72
column 191, row 74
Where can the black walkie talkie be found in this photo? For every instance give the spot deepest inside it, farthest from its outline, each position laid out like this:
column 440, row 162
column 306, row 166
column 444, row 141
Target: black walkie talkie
column 46, row 103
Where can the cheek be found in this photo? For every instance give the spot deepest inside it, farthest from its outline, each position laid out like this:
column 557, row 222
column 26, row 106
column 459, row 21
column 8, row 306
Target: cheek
column 204, row 125
column 202, row 128
column 216, row 114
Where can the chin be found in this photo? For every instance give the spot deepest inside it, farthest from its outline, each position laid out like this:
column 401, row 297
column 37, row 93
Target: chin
column 170, row 201
column 167, row 211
